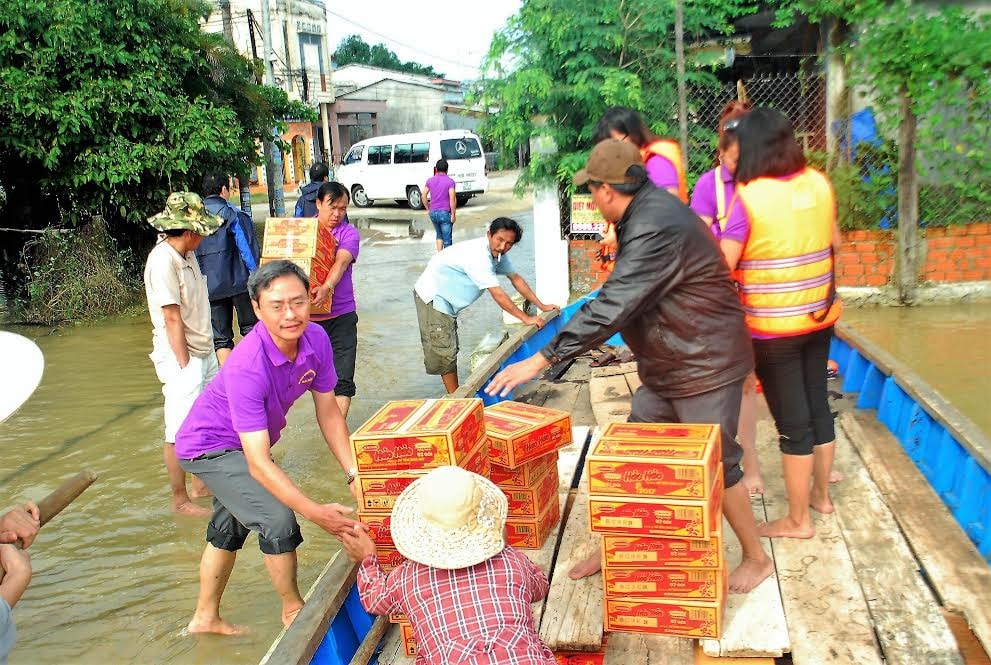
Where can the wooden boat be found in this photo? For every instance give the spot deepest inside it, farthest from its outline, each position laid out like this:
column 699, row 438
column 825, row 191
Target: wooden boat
column 898, row 574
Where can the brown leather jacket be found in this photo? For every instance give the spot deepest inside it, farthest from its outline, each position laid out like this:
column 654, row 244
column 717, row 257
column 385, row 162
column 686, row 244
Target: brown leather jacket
column 671, row 297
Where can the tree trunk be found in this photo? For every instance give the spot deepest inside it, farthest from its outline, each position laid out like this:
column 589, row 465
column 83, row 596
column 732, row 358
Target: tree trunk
column 679, row 49
column 908, row 206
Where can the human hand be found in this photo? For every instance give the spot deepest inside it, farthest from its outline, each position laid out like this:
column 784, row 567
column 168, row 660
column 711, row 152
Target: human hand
column 332, row 518
column 535, row 321
column 549, row 308
column 516, row 374
column 321, row 294
column 15, row 562
column 357, row 543
column 21, row 523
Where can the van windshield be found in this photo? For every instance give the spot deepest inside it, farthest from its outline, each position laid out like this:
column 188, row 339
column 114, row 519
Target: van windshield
column 466, row 148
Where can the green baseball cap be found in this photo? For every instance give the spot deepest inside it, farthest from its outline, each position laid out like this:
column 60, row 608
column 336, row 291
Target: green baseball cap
column 185, row 210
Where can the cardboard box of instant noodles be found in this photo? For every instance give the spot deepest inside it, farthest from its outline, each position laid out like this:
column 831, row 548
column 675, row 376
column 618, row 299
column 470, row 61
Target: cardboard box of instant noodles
column 644, row 551
column 681, row 618
column 525, row 475
column 643, row 516
column 419, row 435
column 531, row 501
column 697, row 584
column 388, row 557
column 409, row 641
column 296, row 239
column 519, row 433
column 531, row 532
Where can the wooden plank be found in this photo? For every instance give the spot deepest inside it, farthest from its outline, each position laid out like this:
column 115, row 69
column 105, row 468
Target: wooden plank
column 392, row 648
column 702, row 658
column 370, row 642
column 907, row 619
column 754, row 623
column 828, row 619
column 633, row 380
column 637, row 649
column 613, row 370
column 611, row 399
column 959, row 576
column 571, row 604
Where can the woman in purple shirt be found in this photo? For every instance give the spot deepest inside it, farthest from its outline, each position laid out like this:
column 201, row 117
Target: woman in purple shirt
column 711, row 200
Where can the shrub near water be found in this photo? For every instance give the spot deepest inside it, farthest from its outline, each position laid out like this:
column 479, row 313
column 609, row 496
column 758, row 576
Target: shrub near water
column 76, row 275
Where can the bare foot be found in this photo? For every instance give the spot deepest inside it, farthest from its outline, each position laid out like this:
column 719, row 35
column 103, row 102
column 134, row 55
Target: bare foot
column 749, row 574
column 190, row 509
column 821, row 504
column 835, row 477
column 287, row 617
column 216, row 626
column 785, row 528
column 753, row 482
column 586, row 568
column 200, row 492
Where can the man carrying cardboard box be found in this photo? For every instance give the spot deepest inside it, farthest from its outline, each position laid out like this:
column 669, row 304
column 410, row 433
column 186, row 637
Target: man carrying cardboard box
column 671, row 297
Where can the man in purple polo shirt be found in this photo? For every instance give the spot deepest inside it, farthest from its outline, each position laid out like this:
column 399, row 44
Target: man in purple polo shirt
column 439, row 193
column 227, row 437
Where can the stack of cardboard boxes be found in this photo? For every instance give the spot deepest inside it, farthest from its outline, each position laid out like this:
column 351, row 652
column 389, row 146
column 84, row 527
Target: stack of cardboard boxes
column 401, row 442
column 296, row 239
column 523, row 444
column 655, row 493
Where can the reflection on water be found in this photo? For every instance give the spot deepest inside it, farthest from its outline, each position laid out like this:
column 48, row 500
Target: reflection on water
column 949, row 346
column 116, row 574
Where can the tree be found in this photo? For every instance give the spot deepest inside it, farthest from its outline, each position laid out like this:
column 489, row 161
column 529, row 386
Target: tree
column 107, row 106
column 563, row 62
column 354, row 50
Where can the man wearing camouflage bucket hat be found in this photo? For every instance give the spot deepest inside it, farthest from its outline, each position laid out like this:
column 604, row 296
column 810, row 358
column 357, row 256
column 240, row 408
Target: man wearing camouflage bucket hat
column 182, row 339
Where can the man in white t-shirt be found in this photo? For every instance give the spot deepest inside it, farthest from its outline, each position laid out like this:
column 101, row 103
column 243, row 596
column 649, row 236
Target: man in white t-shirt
column 454, row 279
column 182, row 339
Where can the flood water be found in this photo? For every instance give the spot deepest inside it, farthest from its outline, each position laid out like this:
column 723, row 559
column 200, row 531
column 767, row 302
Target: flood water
column 949, row 346
column 116, row 574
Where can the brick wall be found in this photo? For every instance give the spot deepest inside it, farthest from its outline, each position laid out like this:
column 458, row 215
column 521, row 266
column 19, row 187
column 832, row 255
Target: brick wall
column 951, row 254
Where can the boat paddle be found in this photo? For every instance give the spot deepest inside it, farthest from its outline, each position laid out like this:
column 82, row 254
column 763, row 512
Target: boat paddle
column 58, row 500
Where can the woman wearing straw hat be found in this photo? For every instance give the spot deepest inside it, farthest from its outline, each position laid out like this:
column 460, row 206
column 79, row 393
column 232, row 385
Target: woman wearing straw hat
column 465, row 592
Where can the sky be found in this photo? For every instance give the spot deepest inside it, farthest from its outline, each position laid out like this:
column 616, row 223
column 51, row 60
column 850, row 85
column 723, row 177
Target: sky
column 451, row 39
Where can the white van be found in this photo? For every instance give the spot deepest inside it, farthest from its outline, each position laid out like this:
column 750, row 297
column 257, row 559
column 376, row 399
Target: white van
column 396, row 167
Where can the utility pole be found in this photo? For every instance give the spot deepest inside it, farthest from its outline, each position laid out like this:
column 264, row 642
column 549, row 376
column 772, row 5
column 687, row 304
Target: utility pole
column 273, row 156
column 907, row 265
column 679, row 52
column 243, row 180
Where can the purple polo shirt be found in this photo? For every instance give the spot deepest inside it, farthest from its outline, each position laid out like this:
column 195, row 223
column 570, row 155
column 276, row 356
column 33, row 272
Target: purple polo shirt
column 254, row 390
column 704, row 204
column 662, row 172
column 439, row 186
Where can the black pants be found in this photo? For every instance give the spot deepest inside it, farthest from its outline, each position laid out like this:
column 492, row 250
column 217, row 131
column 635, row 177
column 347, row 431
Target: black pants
column 343, row 333
column 720, row 406
column 792, row 371
column 222, row 319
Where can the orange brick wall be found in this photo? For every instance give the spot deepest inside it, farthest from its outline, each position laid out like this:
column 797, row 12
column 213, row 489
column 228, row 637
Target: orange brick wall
column 952, row 254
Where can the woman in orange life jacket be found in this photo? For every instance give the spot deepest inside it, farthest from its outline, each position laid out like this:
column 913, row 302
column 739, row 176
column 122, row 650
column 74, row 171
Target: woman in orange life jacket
column 661, row 157
column 788, row 289
column 710, row 200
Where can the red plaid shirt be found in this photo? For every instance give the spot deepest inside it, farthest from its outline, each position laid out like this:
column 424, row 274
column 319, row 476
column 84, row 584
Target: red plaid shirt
column 478, row 615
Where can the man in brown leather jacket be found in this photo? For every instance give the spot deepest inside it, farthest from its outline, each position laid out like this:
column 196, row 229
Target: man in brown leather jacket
column 671, row 297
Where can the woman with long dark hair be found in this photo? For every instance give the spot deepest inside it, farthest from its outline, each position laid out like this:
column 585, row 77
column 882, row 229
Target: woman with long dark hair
column 787, row 283
column 661, row 157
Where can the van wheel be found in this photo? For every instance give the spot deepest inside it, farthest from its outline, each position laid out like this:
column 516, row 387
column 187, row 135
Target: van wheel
column 414, row 198
column 359, row 197
column 463, row 200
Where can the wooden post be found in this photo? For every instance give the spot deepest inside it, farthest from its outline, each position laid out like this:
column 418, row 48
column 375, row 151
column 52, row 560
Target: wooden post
column 908, row 205
column 679, row 50
column 837, row 96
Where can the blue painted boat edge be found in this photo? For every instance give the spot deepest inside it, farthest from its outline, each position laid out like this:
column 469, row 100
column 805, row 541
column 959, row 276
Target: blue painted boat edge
column 951, row 452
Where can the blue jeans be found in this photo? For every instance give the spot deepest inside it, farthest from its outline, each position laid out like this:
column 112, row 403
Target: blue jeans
column 442, row 225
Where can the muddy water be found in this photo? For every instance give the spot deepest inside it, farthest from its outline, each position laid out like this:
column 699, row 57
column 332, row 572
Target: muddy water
column 116, row 575
column 949, row 346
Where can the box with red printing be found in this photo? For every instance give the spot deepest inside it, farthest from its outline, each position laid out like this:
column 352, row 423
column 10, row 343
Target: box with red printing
column 664, row 583
column 296, row 239
column 580, row 657
column 416, row 435
column 398, row 617
column 519, row 433
column 379, row 528
column 676, row 468
column 681, row 618
column 409, row 640
column 642, row 516
column 388, row 557
column 531, row 501
column 645, row 551
column 662, row 432
column 529, row 532
column 523, row 475
column 377, row 492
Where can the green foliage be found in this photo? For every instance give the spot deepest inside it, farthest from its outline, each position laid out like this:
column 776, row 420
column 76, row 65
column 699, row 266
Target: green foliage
column 558, row 64
column 110, row 105
column 355, row 50
column 76, row 275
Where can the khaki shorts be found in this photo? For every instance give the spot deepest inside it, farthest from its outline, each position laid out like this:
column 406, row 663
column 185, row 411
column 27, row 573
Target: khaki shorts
column 181, row 386
column 439, row 337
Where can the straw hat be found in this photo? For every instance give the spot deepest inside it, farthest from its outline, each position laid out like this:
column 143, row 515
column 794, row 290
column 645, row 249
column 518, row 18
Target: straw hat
column 449, row 518
column 23, row 365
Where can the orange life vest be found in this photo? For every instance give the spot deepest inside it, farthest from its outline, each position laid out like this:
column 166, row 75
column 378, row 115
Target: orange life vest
column 786, row 276
column 671, row 151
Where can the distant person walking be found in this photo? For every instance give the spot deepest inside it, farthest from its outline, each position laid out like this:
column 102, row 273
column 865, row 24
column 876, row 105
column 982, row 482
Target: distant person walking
column 226, row 259
column 182, row 337
column 306, row 205
column 442, row 202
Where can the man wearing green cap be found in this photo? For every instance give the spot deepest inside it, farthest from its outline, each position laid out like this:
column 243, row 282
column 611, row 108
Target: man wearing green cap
column 182, row 340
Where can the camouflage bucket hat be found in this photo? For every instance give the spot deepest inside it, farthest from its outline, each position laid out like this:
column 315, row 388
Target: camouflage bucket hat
column 184, row 210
